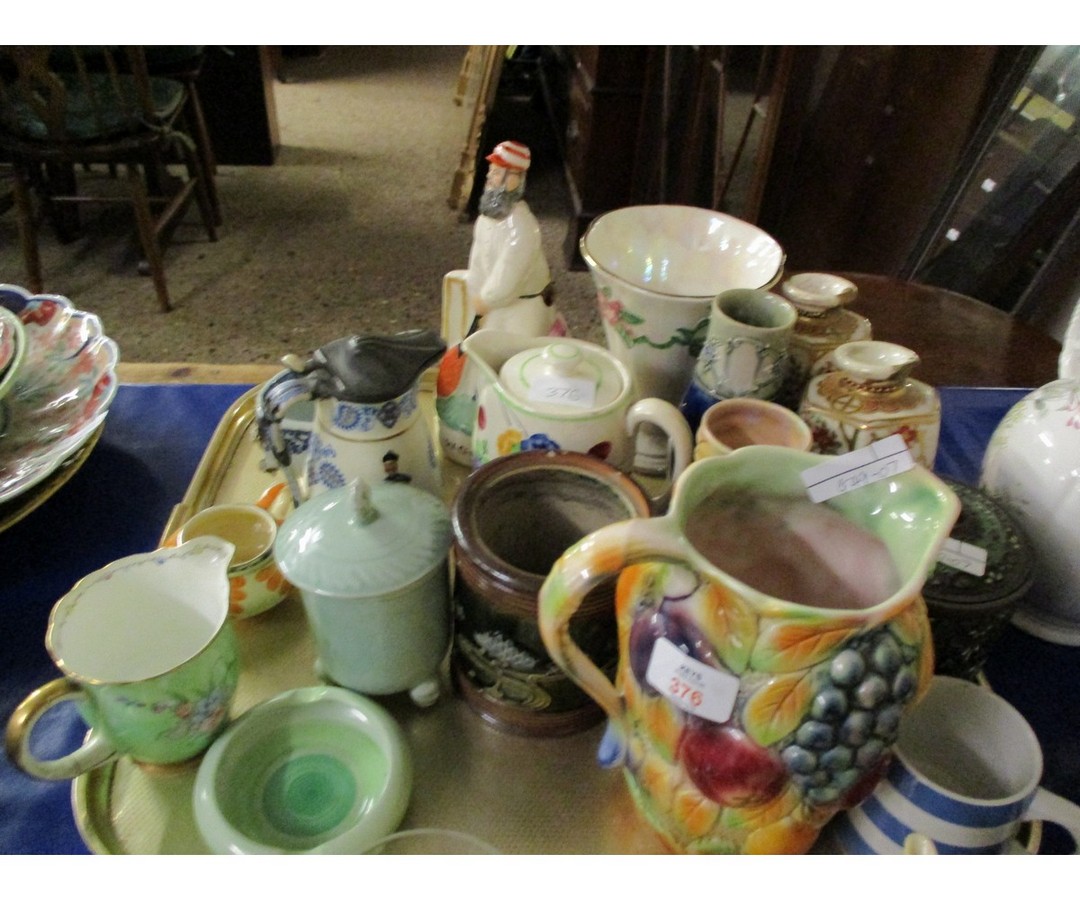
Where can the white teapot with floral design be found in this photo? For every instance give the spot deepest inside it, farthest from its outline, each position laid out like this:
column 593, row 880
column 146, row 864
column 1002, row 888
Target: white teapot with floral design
column 563, row 394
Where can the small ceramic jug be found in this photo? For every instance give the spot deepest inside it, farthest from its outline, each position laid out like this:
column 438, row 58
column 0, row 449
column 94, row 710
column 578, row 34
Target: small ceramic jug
column 871, row 397
column 767, row 645
column 146, row 648
column 367, row 420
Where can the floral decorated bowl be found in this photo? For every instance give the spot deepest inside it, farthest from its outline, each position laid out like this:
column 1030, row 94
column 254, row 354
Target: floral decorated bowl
column 61, row 393
column 12, row 348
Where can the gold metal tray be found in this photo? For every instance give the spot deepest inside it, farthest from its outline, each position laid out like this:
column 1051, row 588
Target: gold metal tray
column 522, row 795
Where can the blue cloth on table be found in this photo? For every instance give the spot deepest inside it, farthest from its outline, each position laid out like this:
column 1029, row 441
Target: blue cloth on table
column 155, row 435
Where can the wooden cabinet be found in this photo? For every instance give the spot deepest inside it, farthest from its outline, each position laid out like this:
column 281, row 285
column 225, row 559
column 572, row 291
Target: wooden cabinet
column 852, row 152
column 595, row 97
column 237, row 93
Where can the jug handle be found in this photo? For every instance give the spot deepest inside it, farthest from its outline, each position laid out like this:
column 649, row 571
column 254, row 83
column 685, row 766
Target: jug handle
column 667, row 418
column 1049, row 807
column 594, row 558
column 273, row 401
column 94, row 752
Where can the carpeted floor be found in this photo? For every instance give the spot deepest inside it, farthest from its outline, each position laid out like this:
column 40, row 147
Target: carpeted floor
column 348, row 232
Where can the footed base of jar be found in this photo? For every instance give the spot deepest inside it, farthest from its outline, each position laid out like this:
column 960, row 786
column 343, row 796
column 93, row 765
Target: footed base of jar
column 424, row 693
column 519, row 720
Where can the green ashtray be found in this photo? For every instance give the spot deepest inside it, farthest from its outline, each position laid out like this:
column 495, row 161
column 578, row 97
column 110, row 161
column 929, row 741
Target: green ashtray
column 312, row 770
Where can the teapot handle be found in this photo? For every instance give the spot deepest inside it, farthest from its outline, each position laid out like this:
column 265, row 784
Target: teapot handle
column 596, row 557
column 673, row 424
column 273, row 401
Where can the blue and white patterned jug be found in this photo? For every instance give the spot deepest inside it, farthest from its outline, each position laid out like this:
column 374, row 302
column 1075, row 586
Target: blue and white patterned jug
column 367, row 420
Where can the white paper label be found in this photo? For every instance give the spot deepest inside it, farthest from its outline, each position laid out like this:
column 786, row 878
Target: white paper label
column 565, row 391
column 965, row 557
column 691, row 685
column 880, row 460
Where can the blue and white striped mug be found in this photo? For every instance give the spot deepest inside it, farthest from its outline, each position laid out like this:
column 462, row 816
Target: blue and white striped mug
column 965, row 774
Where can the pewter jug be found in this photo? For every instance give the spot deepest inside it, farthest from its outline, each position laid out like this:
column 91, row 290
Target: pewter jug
column 367, row 421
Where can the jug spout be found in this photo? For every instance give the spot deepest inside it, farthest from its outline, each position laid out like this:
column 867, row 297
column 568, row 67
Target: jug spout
column 370, row 369
column 204, row 559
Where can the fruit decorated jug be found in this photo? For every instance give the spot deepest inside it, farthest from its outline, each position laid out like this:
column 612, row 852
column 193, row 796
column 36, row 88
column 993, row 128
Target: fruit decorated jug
column 768, row 645
column 367, row 421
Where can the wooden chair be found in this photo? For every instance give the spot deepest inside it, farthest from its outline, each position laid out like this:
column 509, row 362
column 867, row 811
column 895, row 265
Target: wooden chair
column 185, row 64
column 57, row 113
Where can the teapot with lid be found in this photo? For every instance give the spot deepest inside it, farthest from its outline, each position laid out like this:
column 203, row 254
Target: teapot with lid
column 563, row 394
column 367, row 420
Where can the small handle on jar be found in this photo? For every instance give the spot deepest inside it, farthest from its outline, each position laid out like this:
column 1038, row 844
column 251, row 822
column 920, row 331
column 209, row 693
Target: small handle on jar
column 96, row 750
column 593, row 559
column 673, row 424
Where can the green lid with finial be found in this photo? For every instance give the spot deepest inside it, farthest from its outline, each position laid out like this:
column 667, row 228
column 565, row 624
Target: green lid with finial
column 363, row 540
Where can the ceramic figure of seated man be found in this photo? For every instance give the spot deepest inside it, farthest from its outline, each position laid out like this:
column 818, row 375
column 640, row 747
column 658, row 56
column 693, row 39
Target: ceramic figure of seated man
column 507, row 283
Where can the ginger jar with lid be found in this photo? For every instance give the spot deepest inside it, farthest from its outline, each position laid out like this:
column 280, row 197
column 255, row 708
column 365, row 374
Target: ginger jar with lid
column 871, row 397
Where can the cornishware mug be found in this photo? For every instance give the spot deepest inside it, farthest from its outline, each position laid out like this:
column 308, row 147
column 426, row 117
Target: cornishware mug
column 965, row 775
column 767, row 645
column 147, row 644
